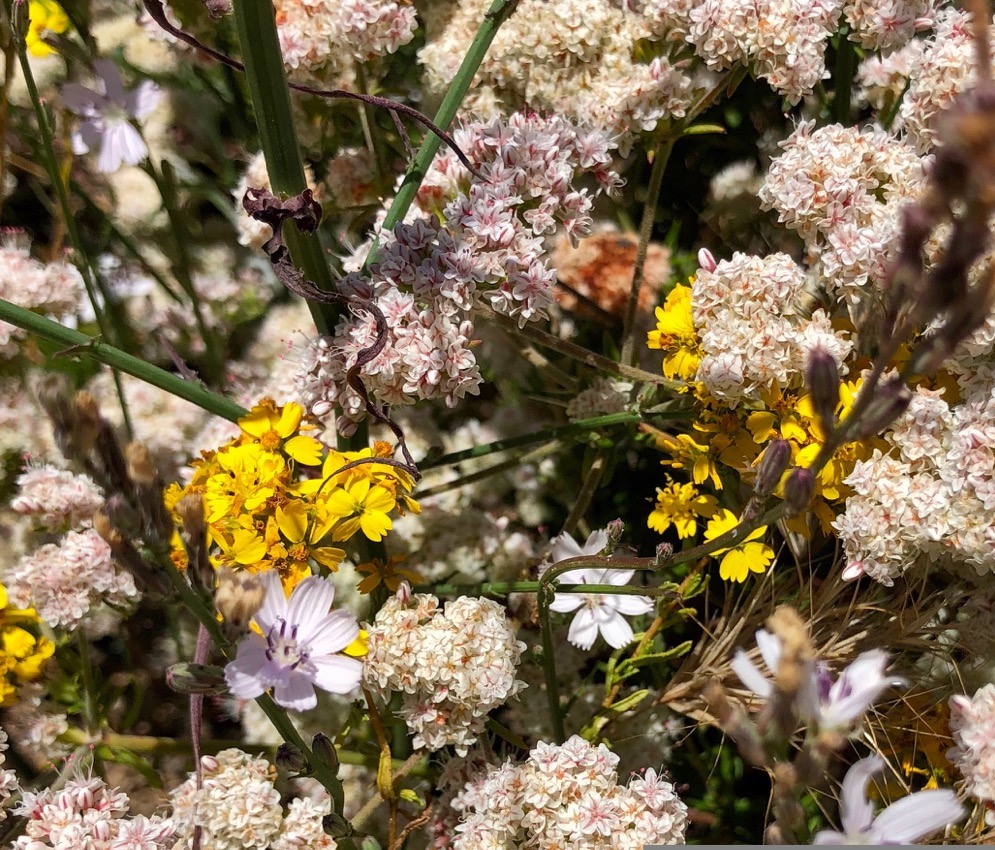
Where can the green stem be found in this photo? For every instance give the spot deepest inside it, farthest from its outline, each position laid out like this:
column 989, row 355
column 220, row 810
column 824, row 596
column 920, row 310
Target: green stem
column 846, row 64
column 588, row 487
column 496, row 15
column 89, row 686
column 82, row 344
column 545, row 598
column 270, row 95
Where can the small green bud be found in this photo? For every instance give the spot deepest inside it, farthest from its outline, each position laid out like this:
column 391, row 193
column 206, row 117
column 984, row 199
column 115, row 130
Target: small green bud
column 290, row 759
column 325, row 752
column 189, row 678
column 336, row 826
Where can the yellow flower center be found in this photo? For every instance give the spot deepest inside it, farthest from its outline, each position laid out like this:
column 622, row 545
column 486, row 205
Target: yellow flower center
column 270, row 440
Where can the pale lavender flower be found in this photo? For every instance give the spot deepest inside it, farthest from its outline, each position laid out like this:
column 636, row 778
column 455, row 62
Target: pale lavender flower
column 107, row 113
column 903, row 822
column 602, row 613
column 298, row 647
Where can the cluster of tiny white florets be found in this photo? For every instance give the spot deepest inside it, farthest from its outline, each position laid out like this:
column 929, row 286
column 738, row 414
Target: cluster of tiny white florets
column 604, row 396
column 56, row 499
column 781, row 41
column 932, row 497
column 8, row 779
column 887, row 24
column 473, row 242
column 577, row 58
column 972, row 722
column 54, row 289
column 85, row 813
column 66, row 581
column 238, row 807
column 881, row 79
column 568, row 796
column 452, row 665
column 755, row 331
column 842, row 188
column 320, row 38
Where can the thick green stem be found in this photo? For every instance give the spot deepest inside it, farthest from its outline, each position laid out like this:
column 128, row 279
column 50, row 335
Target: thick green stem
column 270, row 95
column 80, row 344
column 497, row 14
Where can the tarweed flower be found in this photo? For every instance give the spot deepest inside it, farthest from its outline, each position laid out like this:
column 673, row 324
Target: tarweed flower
column 107, row 113
column 21, row 652
column 600, row 613
column 44, row 16
column 298, row 647
column 750, row 555
column 680, row 505
column 676, row 334
column 903, row 822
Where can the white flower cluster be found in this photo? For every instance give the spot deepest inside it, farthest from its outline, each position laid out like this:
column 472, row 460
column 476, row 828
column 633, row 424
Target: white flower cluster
column 489, row 246
column 604, row 396
column 568, row 796
column 453, row 665
column 238, row 808
column 751, row 316
column 65, row 582
column 56, row 498
column 577, row 58
column 881, row 79
column 841, row 188
column 322, row 37
column 85, row 813
column 54, row 289
column 932, row 497
column 8, row 779
column 972, row 722
column 887, row 24
column 782, row 41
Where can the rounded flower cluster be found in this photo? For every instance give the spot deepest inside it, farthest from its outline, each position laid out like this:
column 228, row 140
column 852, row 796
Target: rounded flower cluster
column 54, row 289
column 881, row 80
column 322, row 37
column 64, row 582
column 972, row 722
column 56, row 498
column 86, row 813
column 568, row 796
column 841, row 188
column 887, row 24
column 8, row 779
column 452, row 665
column 473, row 242
column 604, row 396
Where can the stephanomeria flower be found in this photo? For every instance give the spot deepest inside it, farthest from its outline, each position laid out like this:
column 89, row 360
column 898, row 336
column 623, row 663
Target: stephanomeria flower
column 602, row 613
column 903, row 822
column 107, row 113
column 297, row 648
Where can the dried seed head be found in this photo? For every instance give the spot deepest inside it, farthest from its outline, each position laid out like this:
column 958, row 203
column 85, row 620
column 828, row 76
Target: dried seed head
column 141, row 467
column 105, row 528
column 238, row 597
column 190, row 510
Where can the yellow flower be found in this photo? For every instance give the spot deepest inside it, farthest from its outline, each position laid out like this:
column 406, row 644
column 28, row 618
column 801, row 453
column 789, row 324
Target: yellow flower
column 248, row 477
column 747, row 556
column 43, row 15
column 390, row 574
column 304, row 532
column 21, row 653
column 361, row 505
column 275, row 428
column 690, row 455
column 680, row 505
column 675, row 333
column 360, row 646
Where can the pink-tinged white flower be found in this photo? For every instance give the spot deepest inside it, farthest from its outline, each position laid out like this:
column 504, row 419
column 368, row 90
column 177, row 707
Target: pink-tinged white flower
column 826, row 703
column 903, row 822
column 602, row 613
column 107, row 113
column 298, row 647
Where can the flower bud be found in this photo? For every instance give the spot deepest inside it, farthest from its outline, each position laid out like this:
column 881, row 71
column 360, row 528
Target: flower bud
column 772, row 465
column 290, row 759
column 823, row 380
column 403, row 593
column 325, row 752
column 706, row 261
column 188, row 678
column 799, row 489
column 336, row 826
column 237, row 598
column 614, row 531
column 890, row 401
column 664, row 552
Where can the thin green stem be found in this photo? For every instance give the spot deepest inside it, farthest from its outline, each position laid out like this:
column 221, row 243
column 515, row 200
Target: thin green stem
column 270, row 95
column 846, row 64
column 545, row 598
column 81, row 344
column 87, row 682
column 496, row 15
column 588, row 487
column 661, row 156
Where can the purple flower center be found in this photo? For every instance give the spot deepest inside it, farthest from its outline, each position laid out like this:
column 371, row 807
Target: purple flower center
column 283, row 647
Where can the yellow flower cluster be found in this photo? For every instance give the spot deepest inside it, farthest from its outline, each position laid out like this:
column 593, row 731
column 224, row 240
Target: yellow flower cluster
column 274, row 498
column 23, row 653
column 43, row 16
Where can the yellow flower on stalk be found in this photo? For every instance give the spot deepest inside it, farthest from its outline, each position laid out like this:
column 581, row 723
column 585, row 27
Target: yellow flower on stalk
column 248, row 477
column 21, row 653
column 690, row 455
column 676, row 334
column 44, row 16
column 304, row 530
column 275, row 429
column 750, row 555
column 390, row 574
column 680, row 505
column 364, row 506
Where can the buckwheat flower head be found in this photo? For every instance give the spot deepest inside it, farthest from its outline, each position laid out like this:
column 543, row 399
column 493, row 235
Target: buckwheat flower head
column 56, row 498
column 68, row 581
column 301, row 828
column 298, row 647
column 972, row 722
column 107, row 113
column 887, row 24
column 881, row 80
column 452, row 665
column 903, row 822
column 600, row 613
column 604, row 396
column 8, row 779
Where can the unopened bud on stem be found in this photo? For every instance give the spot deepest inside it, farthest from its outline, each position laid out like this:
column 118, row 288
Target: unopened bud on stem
column 772, row 466
column 824, row 384
column 798, row 490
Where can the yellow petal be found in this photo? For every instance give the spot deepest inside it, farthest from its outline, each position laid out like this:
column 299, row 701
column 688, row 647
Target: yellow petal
column 303, row 449
column 360, row 646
